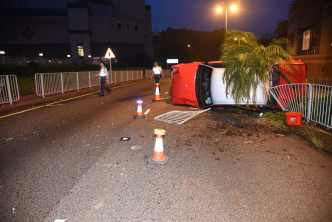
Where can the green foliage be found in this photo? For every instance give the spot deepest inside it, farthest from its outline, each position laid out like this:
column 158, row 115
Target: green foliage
column 33, row 68
column 281, row 30
column 310, row 135
column 26, row 84
column 277, row 119
column 249, row 63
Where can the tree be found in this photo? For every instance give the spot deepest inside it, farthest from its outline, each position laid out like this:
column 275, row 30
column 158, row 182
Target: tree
column 281, row 30
column 266, row 39
column 249, row 63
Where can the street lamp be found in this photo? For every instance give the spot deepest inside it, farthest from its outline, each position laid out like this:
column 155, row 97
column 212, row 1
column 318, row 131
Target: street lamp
column 219, row 10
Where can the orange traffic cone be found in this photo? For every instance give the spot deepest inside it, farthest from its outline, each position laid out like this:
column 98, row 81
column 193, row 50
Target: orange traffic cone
column 139, row 114
column 158, row 157
column 157, row 94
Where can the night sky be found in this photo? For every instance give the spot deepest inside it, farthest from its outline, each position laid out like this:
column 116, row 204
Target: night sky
column 257, row 16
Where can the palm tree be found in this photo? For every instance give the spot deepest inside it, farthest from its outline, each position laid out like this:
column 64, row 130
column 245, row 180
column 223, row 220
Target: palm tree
column 249, row 64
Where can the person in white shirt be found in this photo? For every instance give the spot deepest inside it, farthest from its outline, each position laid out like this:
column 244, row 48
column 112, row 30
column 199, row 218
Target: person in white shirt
column 103, row 74
column 157, row 72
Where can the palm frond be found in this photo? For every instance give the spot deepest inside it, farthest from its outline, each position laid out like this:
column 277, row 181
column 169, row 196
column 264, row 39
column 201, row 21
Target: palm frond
column 248, row 63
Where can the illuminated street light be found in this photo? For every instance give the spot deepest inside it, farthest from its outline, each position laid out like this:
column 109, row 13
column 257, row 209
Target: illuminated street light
column 68, row 56
column 233, row 8
column 2, row 52
column 41, row 54
column 188, row 45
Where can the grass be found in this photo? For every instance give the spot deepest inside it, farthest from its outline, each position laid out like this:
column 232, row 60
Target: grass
column 313, row 139
column 26, row 85
column 277, row 119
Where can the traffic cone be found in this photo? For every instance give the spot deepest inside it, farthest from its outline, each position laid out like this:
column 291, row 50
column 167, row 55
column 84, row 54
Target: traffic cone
column 158, row 157
column 139, row 114
column 157, row 94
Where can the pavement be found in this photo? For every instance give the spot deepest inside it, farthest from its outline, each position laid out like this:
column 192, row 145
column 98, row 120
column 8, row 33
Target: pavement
column 65, row 161
column 27, row 101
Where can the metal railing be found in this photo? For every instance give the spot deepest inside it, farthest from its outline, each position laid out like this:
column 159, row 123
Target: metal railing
column 53, row 83
column 313, row 101
column 8, row 89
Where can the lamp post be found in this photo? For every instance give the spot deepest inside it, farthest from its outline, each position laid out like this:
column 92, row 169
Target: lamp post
column 219, row 9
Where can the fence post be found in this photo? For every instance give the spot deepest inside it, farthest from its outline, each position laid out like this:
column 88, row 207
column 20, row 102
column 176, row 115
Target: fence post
column 115, row 76
column 127, row 77
column 17, row 90
column 61, row 78
column 42, row 84
column 309, row 102
column 78, row 83
column 9, row 91
column 89, row 80
column 121, row 76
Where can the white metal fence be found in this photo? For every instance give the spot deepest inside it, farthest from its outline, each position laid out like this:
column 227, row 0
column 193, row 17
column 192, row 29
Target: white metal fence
column 52, row 83
column 8, row 89
column 313, row 101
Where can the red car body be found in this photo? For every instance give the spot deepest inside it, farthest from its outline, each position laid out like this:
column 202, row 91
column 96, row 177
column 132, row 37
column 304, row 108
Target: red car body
column 183, row 84
column 184, row 80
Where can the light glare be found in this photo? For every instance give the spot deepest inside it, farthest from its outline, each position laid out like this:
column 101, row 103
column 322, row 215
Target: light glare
column 234, row 8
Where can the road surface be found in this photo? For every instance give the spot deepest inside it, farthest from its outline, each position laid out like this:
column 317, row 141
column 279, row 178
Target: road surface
column 65, row 161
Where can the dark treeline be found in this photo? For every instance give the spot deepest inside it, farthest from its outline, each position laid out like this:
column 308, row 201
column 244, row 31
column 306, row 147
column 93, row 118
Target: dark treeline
column 188, row 45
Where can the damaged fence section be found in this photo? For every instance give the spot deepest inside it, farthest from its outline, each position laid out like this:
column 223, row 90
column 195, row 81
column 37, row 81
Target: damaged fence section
column 178, row 117
column 8, row 89
column 312, row 100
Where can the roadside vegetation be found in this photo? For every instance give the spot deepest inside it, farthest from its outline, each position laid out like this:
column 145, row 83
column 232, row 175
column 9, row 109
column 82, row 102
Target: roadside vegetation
column 249, row 63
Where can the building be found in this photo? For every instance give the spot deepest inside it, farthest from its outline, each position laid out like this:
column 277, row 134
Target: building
column 310, row 37
column 79, row 29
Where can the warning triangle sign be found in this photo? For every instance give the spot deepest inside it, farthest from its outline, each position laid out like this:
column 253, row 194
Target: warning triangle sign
column 109, row 54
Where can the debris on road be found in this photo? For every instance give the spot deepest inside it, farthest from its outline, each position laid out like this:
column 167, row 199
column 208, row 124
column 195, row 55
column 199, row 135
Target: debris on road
column 179, row 117
column 135, row 147
column 125, row 138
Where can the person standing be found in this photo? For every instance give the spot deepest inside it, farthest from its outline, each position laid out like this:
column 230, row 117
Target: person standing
column 157, row 72
column 103, row 74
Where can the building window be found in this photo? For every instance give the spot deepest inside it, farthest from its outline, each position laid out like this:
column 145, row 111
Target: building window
column 119, row 26
column 128, row 27
column 307, row 41
column 136, row 28
column 80, row 50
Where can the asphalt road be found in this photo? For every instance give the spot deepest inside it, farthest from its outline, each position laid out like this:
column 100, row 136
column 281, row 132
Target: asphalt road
column 65, row 161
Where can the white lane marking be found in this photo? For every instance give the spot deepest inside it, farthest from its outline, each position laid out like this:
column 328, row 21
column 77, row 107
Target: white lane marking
column 147, row 111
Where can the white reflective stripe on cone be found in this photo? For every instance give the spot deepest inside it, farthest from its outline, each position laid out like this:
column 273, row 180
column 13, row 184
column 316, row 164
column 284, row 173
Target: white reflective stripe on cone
column 158, row 147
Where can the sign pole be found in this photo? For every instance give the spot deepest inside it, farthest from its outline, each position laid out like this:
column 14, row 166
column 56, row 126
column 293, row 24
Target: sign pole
column 109, row 55
column 111, row 70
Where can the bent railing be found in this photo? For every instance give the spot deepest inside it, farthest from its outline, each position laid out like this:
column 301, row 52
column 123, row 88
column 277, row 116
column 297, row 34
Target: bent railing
column 312, row 100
